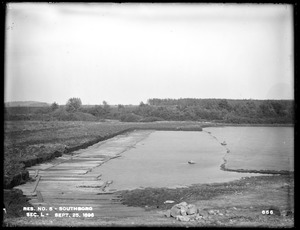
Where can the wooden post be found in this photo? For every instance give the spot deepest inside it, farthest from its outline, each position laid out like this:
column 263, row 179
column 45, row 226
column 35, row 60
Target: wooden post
column 98, row 177
column 107, row 183
column 36, row 173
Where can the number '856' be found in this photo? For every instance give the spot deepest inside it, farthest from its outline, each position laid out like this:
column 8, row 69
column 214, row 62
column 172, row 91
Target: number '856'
column 267, row 212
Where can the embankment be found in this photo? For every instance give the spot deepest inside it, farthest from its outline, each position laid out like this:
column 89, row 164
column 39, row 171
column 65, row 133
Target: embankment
column 276, row 172
column 24, row 175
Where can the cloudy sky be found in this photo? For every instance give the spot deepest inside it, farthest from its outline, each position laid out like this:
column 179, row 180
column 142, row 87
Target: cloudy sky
column 128, row 53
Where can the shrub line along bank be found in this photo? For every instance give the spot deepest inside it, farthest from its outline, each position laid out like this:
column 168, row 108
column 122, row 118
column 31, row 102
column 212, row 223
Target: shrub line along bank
column 24, row 175
column 219, row 124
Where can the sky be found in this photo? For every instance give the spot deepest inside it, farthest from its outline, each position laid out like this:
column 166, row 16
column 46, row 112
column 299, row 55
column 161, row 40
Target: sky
column 128, row 53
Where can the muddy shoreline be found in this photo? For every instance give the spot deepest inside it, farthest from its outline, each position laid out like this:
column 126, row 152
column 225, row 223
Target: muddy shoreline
column 274, row 172
column 245, row 125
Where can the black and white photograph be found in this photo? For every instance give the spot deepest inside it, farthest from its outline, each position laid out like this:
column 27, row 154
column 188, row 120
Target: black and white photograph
column 149, row 115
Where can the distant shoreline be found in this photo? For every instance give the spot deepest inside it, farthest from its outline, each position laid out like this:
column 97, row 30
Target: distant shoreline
column 246, row 125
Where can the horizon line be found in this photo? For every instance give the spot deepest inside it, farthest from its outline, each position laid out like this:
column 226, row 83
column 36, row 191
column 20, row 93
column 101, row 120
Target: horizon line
column 5, row 102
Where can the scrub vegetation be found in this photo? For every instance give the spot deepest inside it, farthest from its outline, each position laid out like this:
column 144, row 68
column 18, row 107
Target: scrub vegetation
column 214, row 110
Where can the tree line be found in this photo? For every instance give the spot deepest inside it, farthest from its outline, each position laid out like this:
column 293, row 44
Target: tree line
column 185, row 109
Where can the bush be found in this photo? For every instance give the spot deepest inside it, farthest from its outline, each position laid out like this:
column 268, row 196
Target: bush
column 97, row 111
column 80, row 116
column 73, row 105
column 131, row 117
column 62, row 115
column 54, row 106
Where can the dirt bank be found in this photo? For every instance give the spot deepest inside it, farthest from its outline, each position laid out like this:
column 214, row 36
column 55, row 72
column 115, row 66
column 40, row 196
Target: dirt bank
column 234, row 204
column 14, row 201
column 216, row 124
column 240, row 202
column 274, row 172
column 280, row 172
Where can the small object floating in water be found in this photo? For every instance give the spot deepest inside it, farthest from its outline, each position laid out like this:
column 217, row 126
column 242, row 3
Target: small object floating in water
column 109, row 182
column 191, row 162
column 228, row 151
column 223, row 143
column 169, row 202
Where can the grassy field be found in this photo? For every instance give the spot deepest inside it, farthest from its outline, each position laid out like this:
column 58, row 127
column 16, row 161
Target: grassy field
column 29, row 142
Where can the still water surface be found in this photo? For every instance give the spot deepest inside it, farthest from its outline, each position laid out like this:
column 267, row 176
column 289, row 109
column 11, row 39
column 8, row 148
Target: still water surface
column 257, row 148
column 161, row 159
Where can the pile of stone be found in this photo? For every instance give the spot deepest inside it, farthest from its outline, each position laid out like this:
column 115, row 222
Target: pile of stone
column 184, row 212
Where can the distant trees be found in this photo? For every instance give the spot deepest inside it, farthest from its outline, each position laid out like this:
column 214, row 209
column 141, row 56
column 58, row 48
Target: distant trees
column 54, row 106
column 184, row 109
column 278, row 108
column 226, row 110
column 100, row 111
column 120, row 107
column 97, row 111
column 73, row 104
column 106, row 107
column 223, row 104
column 274, row 108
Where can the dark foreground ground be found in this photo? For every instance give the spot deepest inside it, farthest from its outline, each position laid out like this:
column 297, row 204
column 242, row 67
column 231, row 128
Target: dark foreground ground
column 237, row 203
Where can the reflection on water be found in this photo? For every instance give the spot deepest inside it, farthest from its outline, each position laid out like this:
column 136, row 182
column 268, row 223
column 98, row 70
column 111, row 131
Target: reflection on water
column 161, row 160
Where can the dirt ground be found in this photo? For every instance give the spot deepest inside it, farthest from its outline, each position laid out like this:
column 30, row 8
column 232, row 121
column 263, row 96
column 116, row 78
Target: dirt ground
column 239, row 203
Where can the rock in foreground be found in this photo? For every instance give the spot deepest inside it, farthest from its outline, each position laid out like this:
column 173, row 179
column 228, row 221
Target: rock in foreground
column 184, row 212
